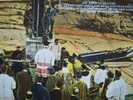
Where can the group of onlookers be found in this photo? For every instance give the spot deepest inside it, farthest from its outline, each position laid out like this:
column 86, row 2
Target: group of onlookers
column 112, row 85
column 56, row 75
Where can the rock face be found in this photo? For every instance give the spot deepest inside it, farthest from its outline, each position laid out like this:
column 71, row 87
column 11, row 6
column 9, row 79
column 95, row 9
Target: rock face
column 12, row 11
column 120, row 24
column 11, row 14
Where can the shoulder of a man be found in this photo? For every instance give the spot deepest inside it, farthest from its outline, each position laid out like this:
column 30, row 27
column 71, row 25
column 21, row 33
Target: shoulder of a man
column 41, row 51
column 11, row 78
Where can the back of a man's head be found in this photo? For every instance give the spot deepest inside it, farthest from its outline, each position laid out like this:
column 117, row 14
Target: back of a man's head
column 45, row 41
column 103, row 67
column 110, row 74
column 60, row 83
column 18, row 48
column 56, row 40
column 63, row 48
column 2, row 66
column 85, row 73
column 3, row 69
column 117, row 74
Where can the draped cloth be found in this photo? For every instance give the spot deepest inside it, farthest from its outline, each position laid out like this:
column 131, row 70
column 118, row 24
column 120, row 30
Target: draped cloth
column 24, row 81
column 100, row 76
column 117, row 90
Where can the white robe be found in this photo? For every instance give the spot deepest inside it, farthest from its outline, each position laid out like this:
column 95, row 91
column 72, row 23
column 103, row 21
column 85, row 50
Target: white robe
column 56, row 49
column 116, row 90
column 45, row 56
column 7, row 84
column 100, row 76
column 87, row 80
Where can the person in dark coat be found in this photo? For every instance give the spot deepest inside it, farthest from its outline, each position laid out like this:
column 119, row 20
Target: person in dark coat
column 1, row 64
column 64, row 55
column 56, row 94
column 39, row 91
column 17, row 55
column 107, row 82
column 24, row 81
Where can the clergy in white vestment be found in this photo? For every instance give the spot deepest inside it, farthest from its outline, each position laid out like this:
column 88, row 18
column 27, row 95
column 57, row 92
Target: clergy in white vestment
column 117, row 90
column 7, row 85
column 56, row 49
column 87, row 79
column 44, row 58
column 100, row 75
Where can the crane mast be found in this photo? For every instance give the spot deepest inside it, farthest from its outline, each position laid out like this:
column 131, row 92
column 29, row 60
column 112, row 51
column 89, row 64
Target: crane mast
column 38, row 22
column 38, row 12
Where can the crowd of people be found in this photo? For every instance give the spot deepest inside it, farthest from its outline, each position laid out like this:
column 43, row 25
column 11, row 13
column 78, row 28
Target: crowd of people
column 57, row 75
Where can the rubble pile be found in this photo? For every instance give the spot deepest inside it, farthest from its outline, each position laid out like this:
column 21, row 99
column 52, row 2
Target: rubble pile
column 108, row 23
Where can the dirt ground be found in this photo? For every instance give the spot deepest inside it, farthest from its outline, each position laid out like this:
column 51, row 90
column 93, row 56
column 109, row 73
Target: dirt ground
column 85, row 40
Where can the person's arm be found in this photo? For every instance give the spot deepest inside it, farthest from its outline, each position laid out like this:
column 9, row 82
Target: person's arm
column 50, row 46
column 59, row 52
column 36, row 58
column 92, row 81
column 53, row 60
column 13, row 83
column 96, row 77
column 110, row 91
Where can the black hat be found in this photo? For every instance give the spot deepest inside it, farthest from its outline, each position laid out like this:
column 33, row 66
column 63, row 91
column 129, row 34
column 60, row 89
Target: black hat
column 45, row 40
column 117, row 73
column 85, row 72
column 51, row 70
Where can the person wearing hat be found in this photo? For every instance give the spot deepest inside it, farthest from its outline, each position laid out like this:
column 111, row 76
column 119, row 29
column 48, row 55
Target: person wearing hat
column 44, row 59
column 117, row 89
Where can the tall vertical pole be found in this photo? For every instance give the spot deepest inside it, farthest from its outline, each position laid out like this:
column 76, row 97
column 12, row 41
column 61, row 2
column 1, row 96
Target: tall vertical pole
column 38, row 7
column 38, row 12
column 49, row 2
column 59, row 2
